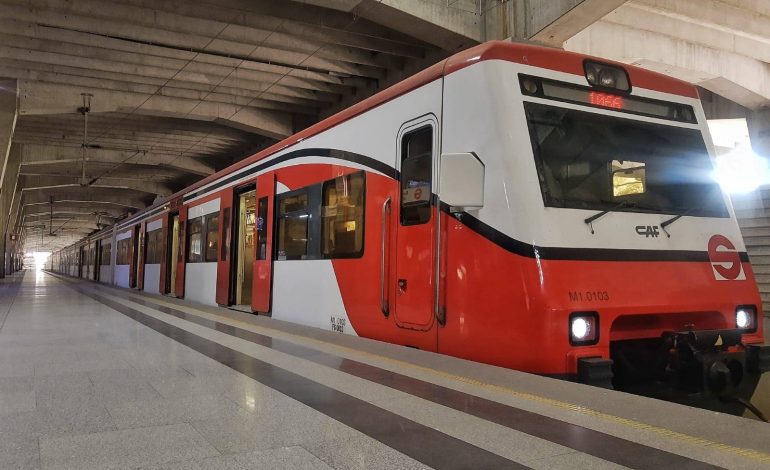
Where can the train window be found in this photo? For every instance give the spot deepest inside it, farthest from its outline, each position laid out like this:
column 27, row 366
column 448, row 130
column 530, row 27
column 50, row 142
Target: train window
column 295, row 201
column 416, row 176
column 195, row 240
column 106, row 254
column 154, row 246
column 293, row 218
column 212, row 237
column 124, row 251
column 592, row 161
column 342, row 217
column 261, row 223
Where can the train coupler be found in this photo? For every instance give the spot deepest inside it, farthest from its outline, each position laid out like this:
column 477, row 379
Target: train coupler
column 707, row 361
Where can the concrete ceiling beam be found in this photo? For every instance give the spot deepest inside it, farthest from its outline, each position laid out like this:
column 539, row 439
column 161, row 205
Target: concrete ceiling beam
column 737, row 77
column 99, row 123
column 705, row 28
column 263, row 100
column 170, row 30
column 116, row 197
column 284, row 24
column 29, row 183
column 47, row 98
column 573, row 20
column 50, row 154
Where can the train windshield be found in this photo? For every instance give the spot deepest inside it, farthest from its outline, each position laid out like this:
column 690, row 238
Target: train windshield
column 592, row 161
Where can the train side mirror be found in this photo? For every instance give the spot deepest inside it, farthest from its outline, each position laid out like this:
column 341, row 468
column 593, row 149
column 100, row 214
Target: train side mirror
column 462, row 181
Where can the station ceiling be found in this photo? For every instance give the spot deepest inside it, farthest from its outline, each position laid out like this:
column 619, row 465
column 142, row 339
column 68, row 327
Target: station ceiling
column 121, row 102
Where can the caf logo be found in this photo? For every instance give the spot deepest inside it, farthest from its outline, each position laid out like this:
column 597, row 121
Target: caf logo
column 725, row 259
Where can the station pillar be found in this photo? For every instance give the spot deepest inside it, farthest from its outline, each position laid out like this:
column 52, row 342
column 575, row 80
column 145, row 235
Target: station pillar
column 759, row 131
column 9, row 165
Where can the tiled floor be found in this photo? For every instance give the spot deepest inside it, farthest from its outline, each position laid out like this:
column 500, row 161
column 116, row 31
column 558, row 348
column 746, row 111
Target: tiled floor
column 86, row 386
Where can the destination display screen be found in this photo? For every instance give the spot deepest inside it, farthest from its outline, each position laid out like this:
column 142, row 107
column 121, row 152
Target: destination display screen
column 572, row 93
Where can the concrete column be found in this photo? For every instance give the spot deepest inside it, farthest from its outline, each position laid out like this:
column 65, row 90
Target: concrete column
column 759, row 131
column 7, row 192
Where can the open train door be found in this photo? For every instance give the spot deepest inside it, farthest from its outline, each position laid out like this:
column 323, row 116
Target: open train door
column 415, row 219
column 180, row 256
column 262, row 292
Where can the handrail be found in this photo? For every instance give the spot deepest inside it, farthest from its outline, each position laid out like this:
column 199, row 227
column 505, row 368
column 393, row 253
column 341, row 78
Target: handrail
column 384, row 306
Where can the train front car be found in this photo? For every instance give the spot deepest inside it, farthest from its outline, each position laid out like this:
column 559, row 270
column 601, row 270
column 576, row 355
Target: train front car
column 622, row 263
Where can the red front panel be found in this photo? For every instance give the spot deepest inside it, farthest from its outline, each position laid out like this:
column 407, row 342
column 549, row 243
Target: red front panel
column 261, row 294
column 180, row 264
column 225, row 236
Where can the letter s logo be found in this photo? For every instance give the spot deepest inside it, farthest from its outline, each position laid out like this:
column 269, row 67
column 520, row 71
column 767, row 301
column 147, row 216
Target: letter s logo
column 725, row 259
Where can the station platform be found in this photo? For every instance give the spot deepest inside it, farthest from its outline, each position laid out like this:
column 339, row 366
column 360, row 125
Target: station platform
column 95, row 377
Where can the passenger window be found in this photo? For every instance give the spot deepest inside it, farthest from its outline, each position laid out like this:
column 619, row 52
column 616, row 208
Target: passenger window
column 212, row 237
column 154, row 247
column 416, row 176
column 342, row 217
column 262, row 229
column 293, row 217
column 194, row 240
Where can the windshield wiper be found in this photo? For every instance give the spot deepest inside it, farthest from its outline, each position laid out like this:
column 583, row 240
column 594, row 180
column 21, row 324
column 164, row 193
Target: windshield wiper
column 673, row 219
column 590, row 220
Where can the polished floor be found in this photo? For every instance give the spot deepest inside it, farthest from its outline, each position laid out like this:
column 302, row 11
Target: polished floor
column 95, row 377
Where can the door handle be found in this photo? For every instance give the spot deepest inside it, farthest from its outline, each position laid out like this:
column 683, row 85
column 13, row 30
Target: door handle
column 402, row 285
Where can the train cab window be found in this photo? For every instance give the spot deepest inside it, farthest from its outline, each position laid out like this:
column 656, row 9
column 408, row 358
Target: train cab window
column 416, row 176
column 261, row 223
column 212, row 237
column 342, row 217
column 195, row 240
column 293, row 218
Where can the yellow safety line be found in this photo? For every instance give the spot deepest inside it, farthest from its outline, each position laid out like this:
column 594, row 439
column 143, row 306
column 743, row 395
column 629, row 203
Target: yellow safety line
column 697, row 441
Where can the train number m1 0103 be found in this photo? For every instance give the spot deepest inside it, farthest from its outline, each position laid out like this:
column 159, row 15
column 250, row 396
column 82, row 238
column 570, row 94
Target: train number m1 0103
column 588, row 296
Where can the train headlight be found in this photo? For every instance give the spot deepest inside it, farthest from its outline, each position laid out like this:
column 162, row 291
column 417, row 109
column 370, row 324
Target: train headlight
column 607, row 76
column 583, row 328
column 746, row 317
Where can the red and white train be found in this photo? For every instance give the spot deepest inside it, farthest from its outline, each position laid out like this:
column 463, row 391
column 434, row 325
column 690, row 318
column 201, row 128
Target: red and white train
column 515, row 205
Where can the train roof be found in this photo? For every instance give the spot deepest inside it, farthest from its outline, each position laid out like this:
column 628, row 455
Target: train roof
column 523, row 53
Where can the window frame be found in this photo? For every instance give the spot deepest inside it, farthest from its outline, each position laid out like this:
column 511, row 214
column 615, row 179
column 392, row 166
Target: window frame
column 204, row 221
column 297, row 213
column 407, row 130
column 322, row 235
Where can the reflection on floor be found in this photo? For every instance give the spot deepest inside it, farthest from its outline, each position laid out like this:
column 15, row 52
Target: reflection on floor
column 96, row 377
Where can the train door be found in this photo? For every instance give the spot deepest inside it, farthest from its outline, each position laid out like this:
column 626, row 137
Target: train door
column 243, row 249
column 262, row 291
column 80, row 258
column 98, row 259
column 172, row 254
column 134, row 261
column 416, row 228
column 180, row 256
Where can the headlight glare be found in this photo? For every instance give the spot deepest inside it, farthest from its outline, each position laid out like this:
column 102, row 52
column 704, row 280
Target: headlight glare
column 746, row 317
column 583, row 328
